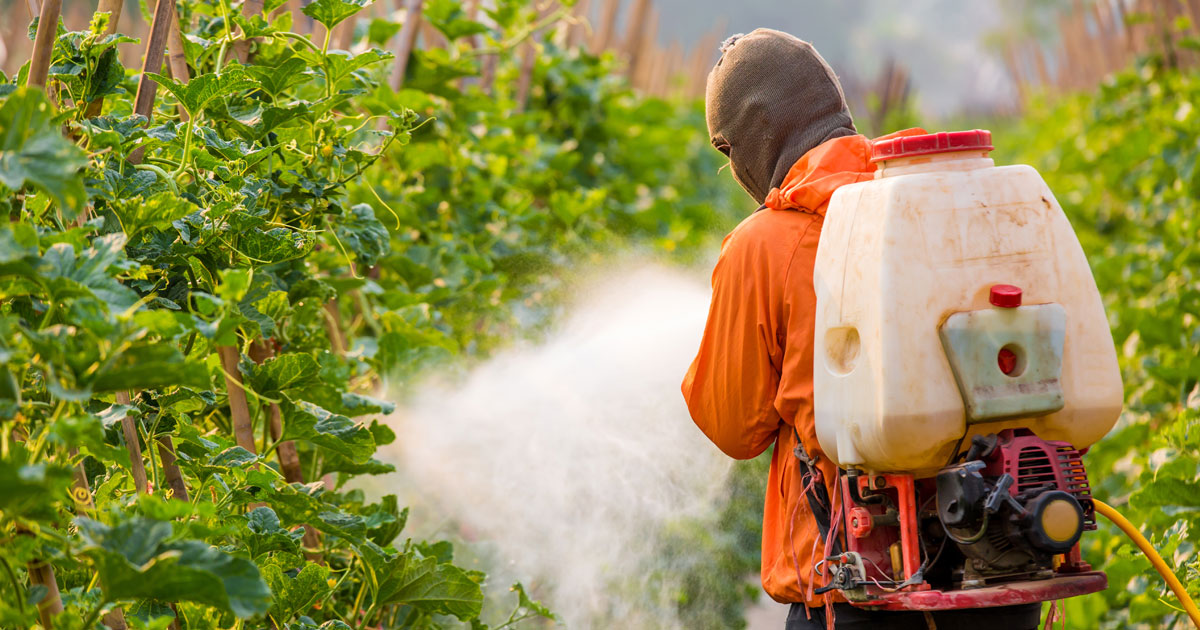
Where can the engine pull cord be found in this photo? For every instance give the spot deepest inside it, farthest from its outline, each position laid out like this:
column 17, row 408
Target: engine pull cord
column 1144, row 545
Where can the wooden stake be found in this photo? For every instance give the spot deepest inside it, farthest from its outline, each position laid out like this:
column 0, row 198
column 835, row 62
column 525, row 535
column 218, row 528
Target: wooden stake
column 43, row 45
column 177, row 57
column 113, row 8
column 432, row 37
column 525, row 78
column 405, row 41
column 577, row 32
column 166, row 453
column 343, row 35
column 133, row 445
column 239, row 409
column 635, row 38
column 289, row 460
column 608, row 25
column 143, row 103
column 51, row 604
column 241, row 48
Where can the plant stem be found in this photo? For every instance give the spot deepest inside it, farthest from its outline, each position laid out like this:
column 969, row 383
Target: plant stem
column 94, row 615
column 12, row 577
column 187, row 147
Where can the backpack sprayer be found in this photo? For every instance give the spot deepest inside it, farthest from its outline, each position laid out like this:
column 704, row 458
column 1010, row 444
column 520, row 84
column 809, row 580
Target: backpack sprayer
column 963, row 365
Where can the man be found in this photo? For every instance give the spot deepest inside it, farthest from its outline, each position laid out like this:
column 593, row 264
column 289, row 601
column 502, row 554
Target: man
column 776, row 109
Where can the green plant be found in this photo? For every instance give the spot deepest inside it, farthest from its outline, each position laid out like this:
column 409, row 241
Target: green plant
column 189, row 340
column 1123, row 164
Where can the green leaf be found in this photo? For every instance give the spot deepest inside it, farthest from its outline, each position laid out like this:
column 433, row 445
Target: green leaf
column 383, row 433
column 276, row 245
column 333, row 12
column 275, row 80
column 339, row 434
column 155, row 212
column 346, row 403
column 31, row 489
column 386, row 521
column 449, row 17
column 297, row 505
column 296, row 595
column 266, row 535
column 288, row 371
column 33, row 151
column 196, row 94
column 341, row 63
column 414, row 580
column 527, row 605
column 363, row 234
column 68, row 275
column 150, row 366
column 1167, row 491
column 135, row 562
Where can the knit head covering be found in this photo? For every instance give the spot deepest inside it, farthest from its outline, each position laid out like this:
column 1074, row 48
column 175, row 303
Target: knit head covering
column 769, row 100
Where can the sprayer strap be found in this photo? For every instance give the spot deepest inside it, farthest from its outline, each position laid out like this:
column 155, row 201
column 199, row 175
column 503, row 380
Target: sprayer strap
column 817, row 495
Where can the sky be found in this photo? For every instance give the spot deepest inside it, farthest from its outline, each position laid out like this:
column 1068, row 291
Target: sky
column 942, row 42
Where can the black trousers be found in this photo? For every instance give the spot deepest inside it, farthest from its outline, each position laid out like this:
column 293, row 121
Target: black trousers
column 847, row 617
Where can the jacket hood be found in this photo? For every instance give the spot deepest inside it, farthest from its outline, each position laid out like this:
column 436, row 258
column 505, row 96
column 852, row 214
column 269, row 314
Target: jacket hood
column 813, row 179
column 769, row 100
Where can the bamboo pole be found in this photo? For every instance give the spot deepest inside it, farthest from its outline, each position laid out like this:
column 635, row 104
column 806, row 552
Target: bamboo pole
column 635, row 36
column 241, row 48
column 176, row 53
column 170, row 464
column 239, row 409
column 608, row 26
column 1014, row 70
column 289, row 458
column 343, row 35
column 577, row 31
column 133, row 445
column 160, row 26
column 1105, row 36
column 702, row 60
column 43, row 42
column 525, row 78
column 405, row 41
column 51, row 605
column 113, row 8
column 431, row 37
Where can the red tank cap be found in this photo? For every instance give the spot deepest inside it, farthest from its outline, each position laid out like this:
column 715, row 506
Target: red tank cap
column 1005, row 296
column 928, row 144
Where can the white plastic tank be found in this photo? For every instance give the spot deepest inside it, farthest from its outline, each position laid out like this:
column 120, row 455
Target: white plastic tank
column 954, row 299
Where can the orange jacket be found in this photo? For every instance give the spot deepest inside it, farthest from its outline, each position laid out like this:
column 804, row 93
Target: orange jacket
column 752, row 380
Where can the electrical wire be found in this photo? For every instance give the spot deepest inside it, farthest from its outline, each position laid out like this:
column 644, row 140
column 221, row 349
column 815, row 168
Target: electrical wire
column 1147, row 549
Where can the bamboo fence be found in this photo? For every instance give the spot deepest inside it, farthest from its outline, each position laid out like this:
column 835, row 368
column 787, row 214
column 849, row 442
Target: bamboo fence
column 1099, row 37
column 627, row 29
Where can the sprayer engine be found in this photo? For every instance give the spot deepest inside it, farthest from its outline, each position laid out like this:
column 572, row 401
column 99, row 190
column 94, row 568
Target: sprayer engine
column 999, row 526
column 1015, row 503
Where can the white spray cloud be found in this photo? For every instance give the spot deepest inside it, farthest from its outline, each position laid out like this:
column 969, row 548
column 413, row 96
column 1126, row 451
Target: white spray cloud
column 568, row 457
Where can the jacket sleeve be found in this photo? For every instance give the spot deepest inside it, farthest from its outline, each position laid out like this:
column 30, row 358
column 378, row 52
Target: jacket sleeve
column 731, row 385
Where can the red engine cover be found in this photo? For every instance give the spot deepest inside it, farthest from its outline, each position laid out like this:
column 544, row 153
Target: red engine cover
column 1034, row 462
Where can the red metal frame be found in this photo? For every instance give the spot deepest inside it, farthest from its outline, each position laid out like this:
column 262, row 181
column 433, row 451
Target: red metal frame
column 873, row 542
column 1010, row 594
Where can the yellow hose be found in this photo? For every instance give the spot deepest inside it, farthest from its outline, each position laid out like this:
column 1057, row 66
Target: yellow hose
column 1138, row 539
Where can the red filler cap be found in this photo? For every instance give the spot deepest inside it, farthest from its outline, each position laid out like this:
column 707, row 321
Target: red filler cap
column 929, row 144
column 1005, row 296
